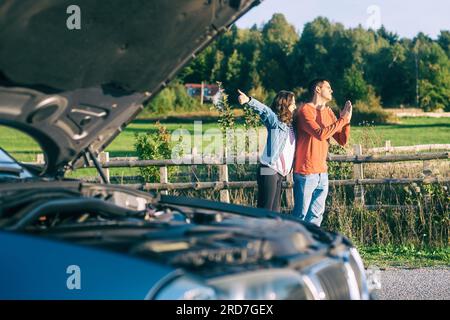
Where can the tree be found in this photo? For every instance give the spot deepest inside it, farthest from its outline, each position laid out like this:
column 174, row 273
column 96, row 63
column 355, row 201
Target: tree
column 232, row 73
column 444, row 41
column 200, row 68
column 391, row 37
column 216, row 70
column 279, row 38
column 391, row 72
column 359, row 63
column 434, row 75
column 249, row 43
column 354, row 86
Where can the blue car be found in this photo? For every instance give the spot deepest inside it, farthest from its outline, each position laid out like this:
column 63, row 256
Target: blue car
column 73, row 82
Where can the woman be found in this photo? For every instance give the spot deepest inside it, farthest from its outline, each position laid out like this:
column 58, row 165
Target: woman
column 276, row 161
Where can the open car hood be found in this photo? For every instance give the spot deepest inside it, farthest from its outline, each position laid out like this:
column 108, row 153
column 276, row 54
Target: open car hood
column 77, row 89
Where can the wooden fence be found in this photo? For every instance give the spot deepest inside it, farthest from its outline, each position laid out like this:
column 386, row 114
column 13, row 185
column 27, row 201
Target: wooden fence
column 388, row 148
column 224, row 185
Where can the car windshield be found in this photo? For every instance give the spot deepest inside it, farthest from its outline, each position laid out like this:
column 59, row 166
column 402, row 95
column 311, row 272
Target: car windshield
column 5, row 158
column 9, row 168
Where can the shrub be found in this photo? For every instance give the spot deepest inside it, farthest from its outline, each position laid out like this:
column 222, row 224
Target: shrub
column 173, row 98
column 163, row 102
column 226, row 117
column 370, row 110
column 183, row 101
column 339, row 170
column 434, row 97
column 361, row 115
column 150, row 146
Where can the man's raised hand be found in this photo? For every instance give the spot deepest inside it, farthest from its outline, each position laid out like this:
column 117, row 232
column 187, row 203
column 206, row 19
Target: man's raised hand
column 349, row 106
column 242, row 98
column 347, row 111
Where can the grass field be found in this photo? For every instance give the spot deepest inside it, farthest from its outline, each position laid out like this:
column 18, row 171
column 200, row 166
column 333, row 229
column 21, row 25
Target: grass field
column 410, row 131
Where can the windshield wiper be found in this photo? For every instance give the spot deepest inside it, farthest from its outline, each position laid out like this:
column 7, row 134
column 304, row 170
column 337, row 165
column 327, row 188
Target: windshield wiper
column 11, row 170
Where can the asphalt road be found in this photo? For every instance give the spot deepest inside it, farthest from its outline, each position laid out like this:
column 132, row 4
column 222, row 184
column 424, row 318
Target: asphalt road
column 415, row 284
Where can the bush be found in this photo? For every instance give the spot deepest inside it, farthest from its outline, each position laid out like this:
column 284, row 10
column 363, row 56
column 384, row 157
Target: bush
column 154, row 147
column 174, row 98
column 226, row 117
column 339, row 170
column 183, row 101
column 163, row 102
column 362, row 114
column 434, row 97
column 371, row 111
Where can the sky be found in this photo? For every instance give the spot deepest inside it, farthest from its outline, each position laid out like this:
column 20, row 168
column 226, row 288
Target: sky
column 404, row 17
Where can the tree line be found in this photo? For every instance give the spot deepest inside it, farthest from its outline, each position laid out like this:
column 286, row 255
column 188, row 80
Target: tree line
column 372, row 67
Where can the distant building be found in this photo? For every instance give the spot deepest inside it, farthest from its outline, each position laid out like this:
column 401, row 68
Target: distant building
column 209, row 90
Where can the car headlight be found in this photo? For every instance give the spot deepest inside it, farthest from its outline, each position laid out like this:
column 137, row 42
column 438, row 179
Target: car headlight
column 360, row 274
column 178, row 286
column 271, row 284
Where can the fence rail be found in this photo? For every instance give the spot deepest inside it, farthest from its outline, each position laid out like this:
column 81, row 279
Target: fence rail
column 388, row 148
column 224, row 185
column 217, row 185
column 187, row 161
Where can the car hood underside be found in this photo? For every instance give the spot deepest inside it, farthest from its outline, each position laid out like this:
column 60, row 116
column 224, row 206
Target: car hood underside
column 76, row 89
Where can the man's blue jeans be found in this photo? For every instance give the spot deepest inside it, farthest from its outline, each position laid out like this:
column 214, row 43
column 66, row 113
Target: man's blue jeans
column 310, row 193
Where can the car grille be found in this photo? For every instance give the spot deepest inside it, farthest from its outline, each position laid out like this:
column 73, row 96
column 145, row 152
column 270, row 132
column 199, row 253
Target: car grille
column 298, row 293
column 334, row 282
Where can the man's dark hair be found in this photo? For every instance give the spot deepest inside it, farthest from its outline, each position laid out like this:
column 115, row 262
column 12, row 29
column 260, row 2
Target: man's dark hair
column 313, row 84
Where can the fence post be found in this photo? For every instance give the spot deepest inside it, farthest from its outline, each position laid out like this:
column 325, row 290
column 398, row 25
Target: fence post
column 387, row 146
column 40, row 158
column 195, row 159
column 358, row 173
column 223, row 177
column 102, row 158
column 427, row 170
column 427, row 173
column 163, row 177
column 290, row 191
column 202, row 88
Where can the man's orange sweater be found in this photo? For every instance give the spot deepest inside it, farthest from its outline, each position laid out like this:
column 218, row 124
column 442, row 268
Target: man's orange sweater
column 314, row 129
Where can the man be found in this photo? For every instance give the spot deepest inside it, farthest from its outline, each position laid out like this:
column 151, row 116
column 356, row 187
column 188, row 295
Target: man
column 315, row 124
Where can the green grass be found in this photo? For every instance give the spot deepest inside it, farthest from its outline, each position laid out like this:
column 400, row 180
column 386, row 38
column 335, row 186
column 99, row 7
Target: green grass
column 410, row 131
column 404, row 256
column 123, row 145
column 21, row 146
